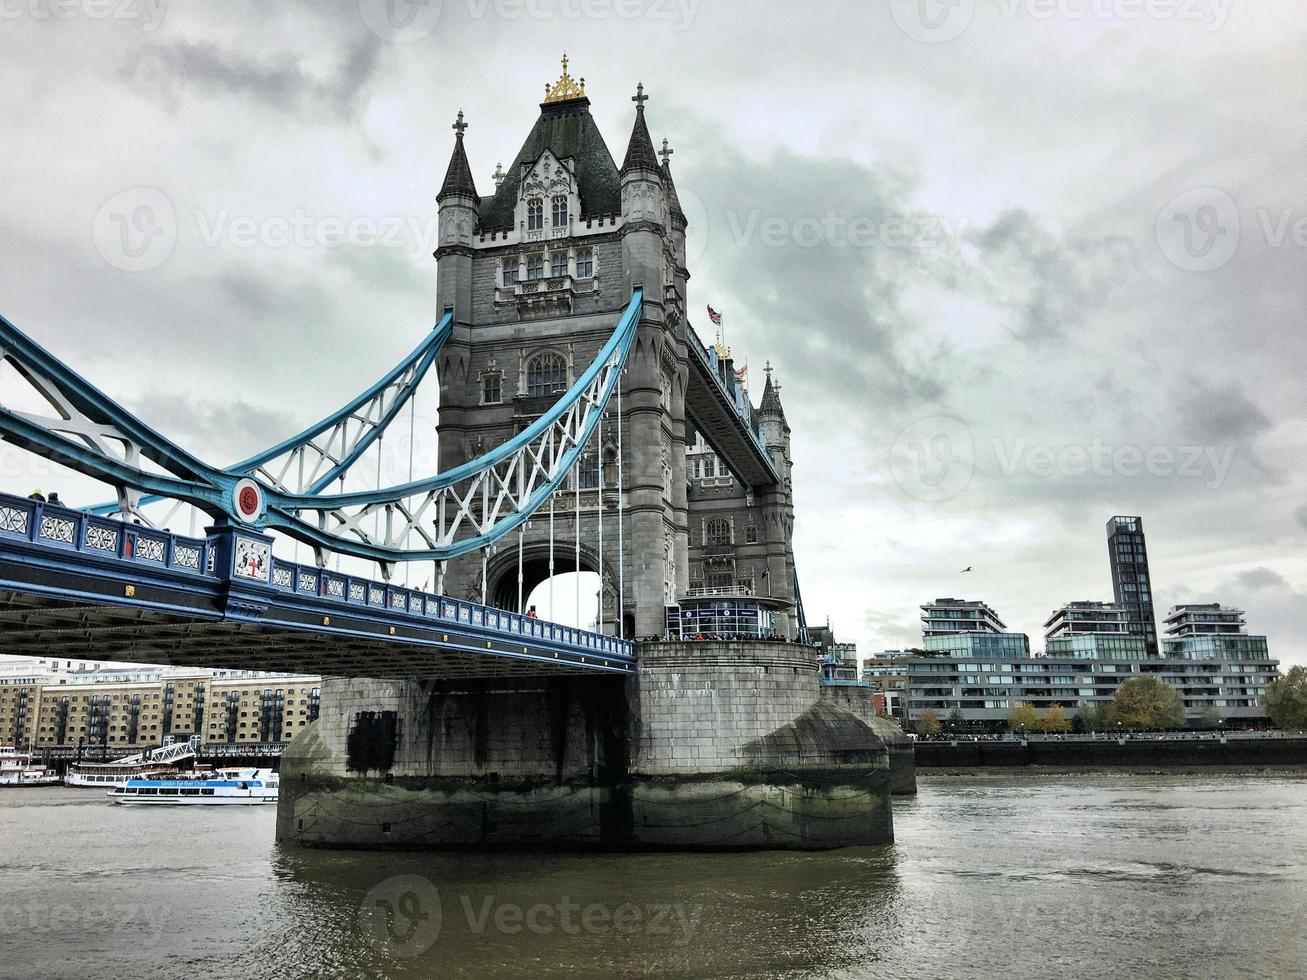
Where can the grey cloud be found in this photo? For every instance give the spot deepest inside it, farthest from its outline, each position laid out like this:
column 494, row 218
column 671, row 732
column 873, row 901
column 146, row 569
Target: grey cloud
column 1256, row 579
column 779, row 233
column 283, row 84
column 220, row 432
column 1301, row 515
column 1220, row 412
column 1048, row 283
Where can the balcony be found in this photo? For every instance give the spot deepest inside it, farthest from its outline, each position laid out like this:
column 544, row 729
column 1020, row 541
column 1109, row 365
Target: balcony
column 549, row 296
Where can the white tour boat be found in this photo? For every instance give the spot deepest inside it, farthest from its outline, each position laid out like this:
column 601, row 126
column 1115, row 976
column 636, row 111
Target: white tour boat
column 225, row 787
column 16, row 769
column 111, row 775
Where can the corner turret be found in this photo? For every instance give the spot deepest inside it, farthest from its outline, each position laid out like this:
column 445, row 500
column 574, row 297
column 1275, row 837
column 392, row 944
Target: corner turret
column 458, row 204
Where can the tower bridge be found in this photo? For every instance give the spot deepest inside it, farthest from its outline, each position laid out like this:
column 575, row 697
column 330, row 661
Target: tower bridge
column 572, row 391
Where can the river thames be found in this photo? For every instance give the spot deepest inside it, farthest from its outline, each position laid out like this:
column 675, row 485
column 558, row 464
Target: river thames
column 1013, row 873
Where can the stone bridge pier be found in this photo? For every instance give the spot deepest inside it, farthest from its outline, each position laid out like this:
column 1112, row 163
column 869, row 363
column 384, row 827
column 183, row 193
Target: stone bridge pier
column 712, row 746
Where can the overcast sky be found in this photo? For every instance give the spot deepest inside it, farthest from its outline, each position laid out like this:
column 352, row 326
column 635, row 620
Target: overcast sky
column 1020, row 265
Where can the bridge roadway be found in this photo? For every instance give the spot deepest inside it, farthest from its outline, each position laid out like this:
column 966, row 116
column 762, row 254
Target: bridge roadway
column 77, row 585
column 719, row 409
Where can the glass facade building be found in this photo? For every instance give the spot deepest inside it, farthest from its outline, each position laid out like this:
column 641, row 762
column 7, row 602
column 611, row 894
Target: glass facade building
column 983, row 691
column 1097, row 646
column 1132, row 586
column 979, row 644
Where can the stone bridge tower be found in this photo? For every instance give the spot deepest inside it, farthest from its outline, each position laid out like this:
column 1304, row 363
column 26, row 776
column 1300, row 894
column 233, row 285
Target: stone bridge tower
column 537, row 274
column 741, row 536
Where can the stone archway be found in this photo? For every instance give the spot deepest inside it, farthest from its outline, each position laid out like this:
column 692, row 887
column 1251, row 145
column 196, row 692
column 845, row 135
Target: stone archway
column 501, row 570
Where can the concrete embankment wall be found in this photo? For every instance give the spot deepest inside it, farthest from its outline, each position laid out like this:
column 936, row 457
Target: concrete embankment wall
column 902, row 757
column 712, row 746
column 1130, row 752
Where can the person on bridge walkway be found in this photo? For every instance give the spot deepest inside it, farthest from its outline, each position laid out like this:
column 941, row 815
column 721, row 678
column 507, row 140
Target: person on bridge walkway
column 37, row 495
column 531, row 613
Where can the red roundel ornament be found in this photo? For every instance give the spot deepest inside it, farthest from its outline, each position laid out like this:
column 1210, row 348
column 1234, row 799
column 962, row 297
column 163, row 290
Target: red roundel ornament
column 248, row 498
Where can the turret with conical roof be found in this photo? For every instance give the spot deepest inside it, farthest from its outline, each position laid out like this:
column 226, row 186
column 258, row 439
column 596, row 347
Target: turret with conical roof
column 644, row 208
column 678, row 228
column 458, row 210
column 775, row 428
column 458, row 176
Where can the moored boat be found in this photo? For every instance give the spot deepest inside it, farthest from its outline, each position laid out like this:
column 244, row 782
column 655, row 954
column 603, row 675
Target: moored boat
column 225, row 787
column 112, row 775
column 17, row 769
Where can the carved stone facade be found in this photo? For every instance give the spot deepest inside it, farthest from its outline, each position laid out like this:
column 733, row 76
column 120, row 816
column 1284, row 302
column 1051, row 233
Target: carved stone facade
column 548, row 268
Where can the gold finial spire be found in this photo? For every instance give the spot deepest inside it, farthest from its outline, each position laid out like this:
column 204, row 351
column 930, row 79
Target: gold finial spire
column 565, row 88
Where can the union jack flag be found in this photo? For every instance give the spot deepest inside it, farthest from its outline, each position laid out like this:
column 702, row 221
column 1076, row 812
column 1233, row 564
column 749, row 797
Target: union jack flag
column 715, row 317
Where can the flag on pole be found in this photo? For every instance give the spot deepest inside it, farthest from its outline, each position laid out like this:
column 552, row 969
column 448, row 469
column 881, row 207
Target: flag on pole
column 743, row 373
column 715, row 317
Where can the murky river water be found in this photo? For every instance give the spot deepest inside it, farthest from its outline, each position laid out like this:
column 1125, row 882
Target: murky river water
column 1009, row 875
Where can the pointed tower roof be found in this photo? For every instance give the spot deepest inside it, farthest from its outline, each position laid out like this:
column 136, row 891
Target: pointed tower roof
column 673, row 201
column 640, row 153
column 568, row 131
column 771, row 399
column 458, row 178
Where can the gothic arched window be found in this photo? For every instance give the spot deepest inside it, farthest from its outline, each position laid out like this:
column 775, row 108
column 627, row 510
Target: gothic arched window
column 535, row 214
column 560, row 210
column 546, row 374
column 717, row 532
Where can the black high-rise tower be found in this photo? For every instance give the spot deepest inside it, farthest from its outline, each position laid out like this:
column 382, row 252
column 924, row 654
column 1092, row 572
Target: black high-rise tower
column 1131, row 583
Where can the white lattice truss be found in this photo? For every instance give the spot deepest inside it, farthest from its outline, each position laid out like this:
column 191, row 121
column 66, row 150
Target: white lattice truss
column 478, row 498
column 309, row 466
column 86, row 433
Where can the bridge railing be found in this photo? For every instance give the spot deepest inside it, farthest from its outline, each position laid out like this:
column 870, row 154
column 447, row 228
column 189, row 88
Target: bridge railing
column 55, row 526
column 311, row 581
column 51, row 525
column 733, row 393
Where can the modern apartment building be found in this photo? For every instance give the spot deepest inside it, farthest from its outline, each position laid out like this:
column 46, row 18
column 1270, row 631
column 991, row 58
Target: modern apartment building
column 965, row 628
column 984, row 691
column 945, row 616
column 1210, row 631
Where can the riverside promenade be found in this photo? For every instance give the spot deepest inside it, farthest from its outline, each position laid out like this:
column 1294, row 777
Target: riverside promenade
column 1187, row 749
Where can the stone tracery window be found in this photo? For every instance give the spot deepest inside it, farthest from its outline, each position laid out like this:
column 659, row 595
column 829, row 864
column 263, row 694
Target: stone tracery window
column 717, row 531
column 560, row 210
column 546, row 374
column 535, row 214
